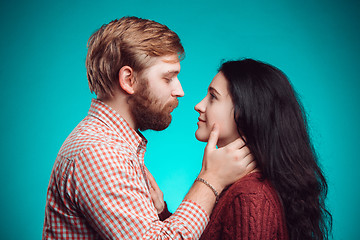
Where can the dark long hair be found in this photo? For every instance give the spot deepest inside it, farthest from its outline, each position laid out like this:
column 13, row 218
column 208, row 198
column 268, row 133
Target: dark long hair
column 272, row 120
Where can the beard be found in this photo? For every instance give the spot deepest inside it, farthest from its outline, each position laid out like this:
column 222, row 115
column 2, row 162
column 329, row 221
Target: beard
column 147, row 110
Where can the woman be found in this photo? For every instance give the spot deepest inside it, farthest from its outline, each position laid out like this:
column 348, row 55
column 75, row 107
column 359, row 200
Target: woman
column 284, row 197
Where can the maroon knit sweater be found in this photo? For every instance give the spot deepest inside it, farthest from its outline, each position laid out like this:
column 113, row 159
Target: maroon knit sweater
column 248, row 209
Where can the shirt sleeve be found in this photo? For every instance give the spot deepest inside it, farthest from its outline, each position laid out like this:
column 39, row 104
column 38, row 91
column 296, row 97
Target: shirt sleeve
column 113, row 197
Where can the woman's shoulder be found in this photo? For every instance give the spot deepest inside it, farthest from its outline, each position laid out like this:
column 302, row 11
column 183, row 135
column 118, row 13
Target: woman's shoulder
column 250, row 197
column 251, row 187
column 251, row 183
column 250, row 203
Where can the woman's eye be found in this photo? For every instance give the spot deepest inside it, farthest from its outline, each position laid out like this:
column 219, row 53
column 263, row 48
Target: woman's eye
column 212, row 96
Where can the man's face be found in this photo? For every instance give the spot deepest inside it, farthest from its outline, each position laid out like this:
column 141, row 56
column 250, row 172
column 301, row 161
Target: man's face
column 156, row 93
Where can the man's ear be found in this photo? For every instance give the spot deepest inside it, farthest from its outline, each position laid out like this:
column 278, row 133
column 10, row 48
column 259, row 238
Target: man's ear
column 126, row 79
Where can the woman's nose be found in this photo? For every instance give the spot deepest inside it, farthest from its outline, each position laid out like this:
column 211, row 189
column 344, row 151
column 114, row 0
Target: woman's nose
column 200, row 107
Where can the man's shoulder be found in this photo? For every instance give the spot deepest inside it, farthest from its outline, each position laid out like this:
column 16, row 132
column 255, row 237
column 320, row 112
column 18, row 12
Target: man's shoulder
column 91, row 133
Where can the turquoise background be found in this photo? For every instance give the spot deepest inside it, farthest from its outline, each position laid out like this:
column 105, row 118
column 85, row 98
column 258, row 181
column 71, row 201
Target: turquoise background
column 45, row 94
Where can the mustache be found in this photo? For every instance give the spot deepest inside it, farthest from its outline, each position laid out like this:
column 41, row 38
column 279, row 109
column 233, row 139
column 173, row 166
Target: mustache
column 172, row 105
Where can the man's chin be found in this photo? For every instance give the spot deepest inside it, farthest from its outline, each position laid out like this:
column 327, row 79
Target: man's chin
column 163, row 126
column 156, row 125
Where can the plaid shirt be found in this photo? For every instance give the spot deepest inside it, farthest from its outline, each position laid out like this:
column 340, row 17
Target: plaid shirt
column 98, row 188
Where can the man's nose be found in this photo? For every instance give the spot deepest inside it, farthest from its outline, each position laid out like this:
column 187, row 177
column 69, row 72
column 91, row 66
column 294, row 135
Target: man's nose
column 178, row 91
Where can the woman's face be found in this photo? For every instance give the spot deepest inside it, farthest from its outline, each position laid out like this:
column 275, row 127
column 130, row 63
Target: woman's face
column 217, row 107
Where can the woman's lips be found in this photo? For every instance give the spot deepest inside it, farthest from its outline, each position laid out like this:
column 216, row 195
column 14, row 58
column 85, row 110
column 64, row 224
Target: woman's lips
column 201, row 120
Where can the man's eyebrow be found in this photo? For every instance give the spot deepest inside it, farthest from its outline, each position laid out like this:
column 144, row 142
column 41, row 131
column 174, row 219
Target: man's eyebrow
column 211, row 89
column 171, row 73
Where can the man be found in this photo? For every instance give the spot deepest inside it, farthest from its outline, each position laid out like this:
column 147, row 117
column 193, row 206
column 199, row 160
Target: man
column 99, row 187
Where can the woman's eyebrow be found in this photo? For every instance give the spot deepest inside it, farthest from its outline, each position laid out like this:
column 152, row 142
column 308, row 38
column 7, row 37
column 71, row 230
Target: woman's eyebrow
column 211, row 89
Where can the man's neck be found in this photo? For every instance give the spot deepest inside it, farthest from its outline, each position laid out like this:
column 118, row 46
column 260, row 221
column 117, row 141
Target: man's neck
column 120, row 105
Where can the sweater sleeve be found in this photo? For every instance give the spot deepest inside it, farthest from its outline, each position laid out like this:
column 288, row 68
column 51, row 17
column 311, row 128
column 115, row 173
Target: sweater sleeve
column 165, row 213
column 250, row 216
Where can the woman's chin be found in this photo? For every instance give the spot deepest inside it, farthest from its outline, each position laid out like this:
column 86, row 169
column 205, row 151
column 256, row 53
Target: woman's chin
column 201, row 137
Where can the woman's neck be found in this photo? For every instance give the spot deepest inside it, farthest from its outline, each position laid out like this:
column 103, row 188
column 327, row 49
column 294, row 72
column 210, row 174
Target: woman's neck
column 225, row 141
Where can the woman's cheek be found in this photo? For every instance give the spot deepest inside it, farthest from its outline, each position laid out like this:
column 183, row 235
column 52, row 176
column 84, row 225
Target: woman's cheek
column 222, row 131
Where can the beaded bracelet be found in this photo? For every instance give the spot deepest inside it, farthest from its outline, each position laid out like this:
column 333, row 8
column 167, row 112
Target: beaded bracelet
column 211, row 187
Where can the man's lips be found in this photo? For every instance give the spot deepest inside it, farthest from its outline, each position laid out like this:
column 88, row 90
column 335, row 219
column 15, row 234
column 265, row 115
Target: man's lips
column 172, row 105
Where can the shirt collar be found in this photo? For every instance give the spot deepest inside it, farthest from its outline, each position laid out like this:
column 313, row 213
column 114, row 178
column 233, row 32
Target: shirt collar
column 118, row 124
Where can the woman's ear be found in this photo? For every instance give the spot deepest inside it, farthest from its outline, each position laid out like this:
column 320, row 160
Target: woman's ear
column 126, row 79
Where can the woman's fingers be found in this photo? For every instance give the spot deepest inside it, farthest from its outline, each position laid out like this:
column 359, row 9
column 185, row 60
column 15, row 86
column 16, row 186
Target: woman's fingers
column 236, row 144
column 156, row 194
column 213, row 138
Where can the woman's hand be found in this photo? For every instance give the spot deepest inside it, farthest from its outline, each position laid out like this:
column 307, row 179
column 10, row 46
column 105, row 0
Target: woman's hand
column 156, row 194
